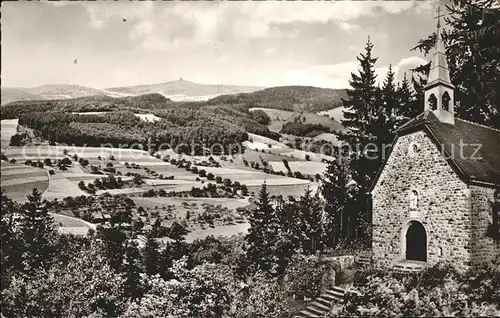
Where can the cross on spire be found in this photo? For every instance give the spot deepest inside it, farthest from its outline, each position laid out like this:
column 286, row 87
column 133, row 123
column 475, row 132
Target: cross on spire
column 439, row 15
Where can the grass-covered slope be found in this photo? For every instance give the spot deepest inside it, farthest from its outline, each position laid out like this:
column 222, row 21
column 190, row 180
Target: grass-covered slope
column 291, row 98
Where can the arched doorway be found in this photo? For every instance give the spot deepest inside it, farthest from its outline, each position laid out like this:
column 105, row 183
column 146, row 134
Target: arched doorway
column 416, row 242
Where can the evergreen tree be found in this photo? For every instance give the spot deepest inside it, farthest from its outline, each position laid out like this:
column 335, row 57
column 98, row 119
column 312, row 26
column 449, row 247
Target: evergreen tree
column 311, row 215
column 113, row 245
column 132, row 270
column 10, row 249
column 334, row 189
column 367, row 137
column 262, row 235
column 408, row 105
column 360, row 105
column 151, row 256
column 37, row 232
column 290, row 236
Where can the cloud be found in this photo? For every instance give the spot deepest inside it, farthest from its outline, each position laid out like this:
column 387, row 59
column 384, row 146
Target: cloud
column 406, row 65
column 330, row 76
column 338, row 75
column 152, row 23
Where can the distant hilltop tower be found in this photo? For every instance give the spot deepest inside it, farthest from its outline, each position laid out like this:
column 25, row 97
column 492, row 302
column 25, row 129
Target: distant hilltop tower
column 180, row 78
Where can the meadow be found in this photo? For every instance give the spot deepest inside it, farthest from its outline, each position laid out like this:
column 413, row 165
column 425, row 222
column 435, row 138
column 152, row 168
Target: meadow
column 8, row 129
column 280, row 117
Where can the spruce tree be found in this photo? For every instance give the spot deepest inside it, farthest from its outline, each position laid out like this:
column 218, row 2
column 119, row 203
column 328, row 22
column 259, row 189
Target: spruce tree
column 408, row 105
column 262, row 235
column 37, row 232
column 360, row 105
column 334, row 191
column 367, row 136
column 311, row 214
column 151, row 256
column 290, row 236
column 132, row 270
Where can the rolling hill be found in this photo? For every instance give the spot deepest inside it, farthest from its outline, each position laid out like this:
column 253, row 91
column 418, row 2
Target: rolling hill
column 176, row 90
column 290, row 98
column 94, row 103
column 182, row 90
column 47, row 92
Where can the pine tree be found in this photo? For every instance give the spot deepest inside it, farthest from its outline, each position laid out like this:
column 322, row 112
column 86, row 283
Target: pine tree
column 262, row 235
column 368, row 134
column 334, row 191
column 11, row 247
column 360, row 105
column 132, row 270
column 311, row 214
column 113, row 245
column 37, row 232
column 151, row 256
column 290, row 235
column 408, row 105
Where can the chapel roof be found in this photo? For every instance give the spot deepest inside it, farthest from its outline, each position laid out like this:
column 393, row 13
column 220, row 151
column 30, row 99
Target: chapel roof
column 480, row 157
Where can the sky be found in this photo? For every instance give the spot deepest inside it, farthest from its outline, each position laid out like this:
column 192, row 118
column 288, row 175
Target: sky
column 109, row 44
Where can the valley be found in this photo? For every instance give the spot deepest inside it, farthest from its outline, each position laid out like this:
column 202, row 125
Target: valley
column 53, row 145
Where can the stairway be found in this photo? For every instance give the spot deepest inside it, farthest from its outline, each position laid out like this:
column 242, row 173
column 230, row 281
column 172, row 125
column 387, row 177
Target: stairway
column 364, row 260
column 322, row 305
column 409, row 267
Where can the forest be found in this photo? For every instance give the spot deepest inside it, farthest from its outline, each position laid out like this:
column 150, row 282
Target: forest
column 290, row 98
column 98, row 103
column 179, row 128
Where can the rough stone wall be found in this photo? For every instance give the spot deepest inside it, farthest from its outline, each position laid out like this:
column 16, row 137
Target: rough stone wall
column 484, row 248
column 443, row 208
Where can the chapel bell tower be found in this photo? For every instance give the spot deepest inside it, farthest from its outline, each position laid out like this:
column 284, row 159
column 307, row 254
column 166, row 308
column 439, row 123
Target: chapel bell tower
column 439, row 96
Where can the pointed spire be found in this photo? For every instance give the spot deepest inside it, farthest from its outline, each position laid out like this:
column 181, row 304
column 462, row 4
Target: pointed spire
column 439, row 91
column 439, row 72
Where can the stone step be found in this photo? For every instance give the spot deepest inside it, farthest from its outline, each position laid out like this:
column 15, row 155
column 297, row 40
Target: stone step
column 317, row 311
column 319, row 306
column 325, row 301
column 329, row 298
column 308, row 314
column 338, row 289
column 335, row 293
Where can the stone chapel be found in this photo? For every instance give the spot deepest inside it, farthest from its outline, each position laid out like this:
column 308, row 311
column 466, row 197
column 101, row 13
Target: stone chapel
column 433, row 198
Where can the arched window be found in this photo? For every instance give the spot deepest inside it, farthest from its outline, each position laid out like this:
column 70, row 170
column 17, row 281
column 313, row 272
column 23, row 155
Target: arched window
column 440, row 251
column 432, row 102
column 413, row 199
column 446, row 101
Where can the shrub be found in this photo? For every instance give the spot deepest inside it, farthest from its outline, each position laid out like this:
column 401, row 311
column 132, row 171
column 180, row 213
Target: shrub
column 304, row 274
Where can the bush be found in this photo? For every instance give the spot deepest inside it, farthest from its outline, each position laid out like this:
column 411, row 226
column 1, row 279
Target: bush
column 304, row 274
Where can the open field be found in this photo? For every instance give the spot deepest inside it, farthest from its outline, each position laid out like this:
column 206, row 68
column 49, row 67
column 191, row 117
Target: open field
column 305, row 167
column 280, row 117
column 336, row 113
column 143, row 117
column 260, row 142
column 177, row 208
column 7, row 130
column 223, row 230
column 61, row 187
column 71, row 225
column 331, row 138
column 18, row 180
column 56, row 152
column 285, row 190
